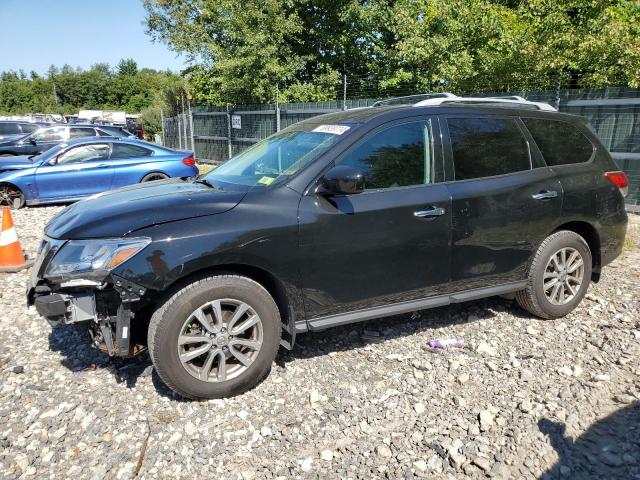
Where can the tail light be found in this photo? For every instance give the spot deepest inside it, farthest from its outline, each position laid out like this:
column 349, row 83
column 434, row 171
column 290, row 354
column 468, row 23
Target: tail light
column 189, row 161
column 620, row 180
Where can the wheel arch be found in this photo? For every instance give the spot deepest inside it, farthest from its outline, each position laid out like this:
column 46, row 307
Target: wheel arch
column 592, row 237
column 266, row 279
column 154, row 172
column 25, row 192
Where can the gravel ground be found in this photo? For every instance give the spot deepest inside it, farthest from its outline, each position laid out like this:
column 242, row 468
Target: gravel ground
column 524, row 399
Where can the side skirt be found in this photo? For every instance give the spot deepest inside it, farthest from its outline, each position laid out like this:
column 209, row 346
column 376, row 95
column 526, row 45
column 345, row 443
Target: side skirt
column 329, row 321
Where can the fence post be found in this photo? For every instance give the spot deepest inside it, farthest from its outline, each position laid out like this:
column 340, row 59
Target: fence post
column 229, row 147
column 344, row 91
column 162, row 128
column 179, row 132
column 193, row 144
column 184, row 123
column 277, row 108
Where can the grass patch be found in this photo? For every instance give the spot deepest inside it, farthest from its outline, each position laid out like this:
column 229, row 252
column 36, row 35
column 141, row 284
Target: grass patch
column 632, row 240
column 205, row 167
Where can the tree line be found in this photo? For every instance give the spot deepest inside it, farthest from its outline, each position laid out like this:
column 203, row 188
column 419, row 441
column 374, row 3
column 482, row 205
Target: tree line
column 301, row 50
column 67, row 90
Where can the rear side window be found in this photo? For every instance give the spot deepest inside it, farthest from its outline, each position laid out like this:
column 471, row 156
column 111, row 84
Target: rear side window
column 394, row 157
column 560, row 143
column 485, row 147
column 122, row 150
column 9, row 128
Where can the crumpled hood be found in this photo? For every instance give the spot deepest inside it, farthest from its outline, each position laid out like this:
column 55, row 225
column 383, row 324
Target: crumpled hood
column 122, row 211
column 15, row 163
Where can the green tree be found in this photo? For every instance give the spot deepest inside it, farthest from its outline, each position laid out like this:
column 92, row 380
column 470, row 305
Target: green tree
column 241, row 50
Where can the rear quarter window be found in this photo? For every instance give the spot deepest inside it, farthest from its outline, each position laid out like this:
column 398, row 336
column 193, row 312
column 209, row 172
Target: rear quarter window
column 122, row 150
column 560, row 143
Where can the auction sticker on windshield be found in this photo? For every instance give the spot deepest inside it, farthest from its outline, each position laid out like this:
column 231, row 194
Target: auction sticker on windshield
column 266, row 180
column 334, row 129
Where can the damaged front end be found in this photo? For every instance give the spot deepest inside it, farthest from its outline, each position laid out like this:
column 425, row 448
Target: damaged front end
column 71, row 282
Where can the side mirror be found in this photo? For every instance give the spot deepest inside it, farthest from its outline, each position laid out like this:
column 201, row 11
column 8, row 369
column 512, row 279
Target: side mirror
column 341, row 180
column 52, row 162
column 32, row 141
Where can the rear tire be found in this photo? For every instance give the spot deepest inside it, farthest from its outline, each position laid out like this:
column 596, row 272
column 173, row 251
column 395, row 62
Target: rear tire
column 11, row 196
column 152, row 177
column 559, row 276
column 235, row 355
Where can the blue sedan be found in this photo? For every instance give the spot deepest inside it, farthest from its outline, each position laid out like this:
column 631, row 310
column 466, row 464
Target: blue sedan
column 86, row 166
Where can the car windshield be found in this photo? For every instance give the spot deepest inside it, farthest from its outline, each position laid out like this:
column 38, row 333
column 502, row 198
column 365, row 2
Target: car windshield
column 52, row 152
column 281, row 155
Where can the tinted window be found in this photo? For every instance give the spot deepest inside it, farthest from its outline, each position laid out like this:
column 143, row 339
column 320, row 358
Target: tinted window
column 113, row 131
column 394, row 157
column 9, row 128
column 122, row 150
column 50, row 134
column 29, row 127
column 484, row 147
column 82, row 132
column 84, row 153
column 560, row 143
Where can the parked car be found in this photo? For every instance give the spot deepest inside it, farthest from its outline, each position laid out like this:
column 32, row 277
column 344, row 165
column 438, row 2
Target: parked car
column 83, row 167
column 340, row 218
column 10, row 129
column 44, row 138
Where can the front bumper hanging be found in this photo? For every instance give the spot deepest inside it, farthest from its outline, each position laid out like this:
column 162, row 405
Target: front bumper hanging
column 108, row 309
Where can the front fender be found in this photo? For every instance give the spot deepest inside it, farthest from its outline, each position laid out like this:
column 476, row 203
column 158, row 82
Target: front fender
column 24, row 179
column 253, row 234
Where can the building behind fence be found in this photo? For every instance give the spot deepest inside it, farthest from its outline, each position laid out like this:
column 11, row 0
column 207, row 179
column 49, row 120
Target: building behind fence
column 216, row 134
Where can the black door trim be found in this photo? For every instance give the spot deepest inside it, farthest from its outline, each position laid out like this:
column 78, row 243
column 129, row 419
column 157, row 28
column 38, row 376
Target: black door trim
column 329, row 321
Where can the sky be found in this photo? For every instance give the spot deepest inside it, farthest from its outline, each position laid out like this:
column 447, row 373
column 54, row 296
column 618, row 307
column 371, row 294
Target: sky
column 37, row 33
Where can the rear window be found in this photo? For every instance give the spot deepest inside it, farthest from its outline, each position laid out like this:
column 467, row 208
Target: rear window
column 560, row 143
column 485, row 147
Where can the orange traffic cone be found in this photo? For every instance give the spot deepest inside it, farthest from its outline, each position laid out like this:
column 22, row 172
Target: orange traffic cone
column 11, row 256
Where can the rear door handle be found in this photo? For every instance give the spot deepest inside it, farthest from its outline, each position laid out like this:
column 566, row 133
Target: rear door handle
column 544, row 194
column 429, row 212
column 104, row 165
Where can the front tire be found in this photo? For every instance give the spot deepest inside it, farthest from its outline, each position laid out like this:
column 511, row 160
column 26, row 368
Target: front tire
column 559, row 276
column 11, row 196
column 216, row 337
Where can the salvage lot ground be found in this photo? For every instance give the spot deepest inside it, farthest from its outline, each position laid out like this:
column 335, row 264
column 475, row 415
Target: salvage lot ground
column 525, row 397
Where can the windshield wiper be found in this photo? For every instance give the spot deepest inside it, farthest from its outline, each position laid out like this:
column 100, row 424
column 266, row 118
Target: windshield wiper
column 206, row 182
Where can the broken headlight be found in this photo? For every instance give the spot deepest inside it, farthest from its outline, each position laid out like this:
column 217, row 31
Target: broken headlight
column 93, row 259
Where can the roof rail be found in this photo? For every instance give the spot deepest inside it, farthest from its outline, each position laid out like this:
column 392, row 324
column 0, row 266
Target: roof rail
column 412, row 99
column 506, row 101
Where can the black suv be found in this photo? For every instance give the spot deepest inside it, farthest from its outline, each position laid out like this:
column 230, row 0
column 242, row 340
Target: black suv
column 340, row 218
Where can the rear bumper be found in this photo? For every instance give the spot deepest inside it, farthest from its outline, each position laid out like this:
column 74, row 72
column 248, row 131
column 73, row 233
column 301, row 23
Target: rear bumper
column 612, row 242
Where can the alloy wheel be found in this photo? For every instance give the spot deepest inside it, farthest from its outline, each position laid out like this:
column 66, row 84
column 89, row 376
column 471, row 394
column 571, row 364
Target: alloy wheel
column 10, row 196
column 563, row 276
column 220, row 340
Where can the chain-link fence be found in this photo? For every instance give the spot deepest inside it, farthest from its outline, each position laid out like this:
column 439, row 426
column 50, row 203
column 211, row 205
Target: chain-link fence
column 216, row 134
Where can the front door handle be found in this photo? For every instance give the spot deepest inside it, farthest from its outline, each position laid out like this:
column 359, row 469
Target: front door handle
column 103, row 165
column 544, row 194
column 429, row 212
